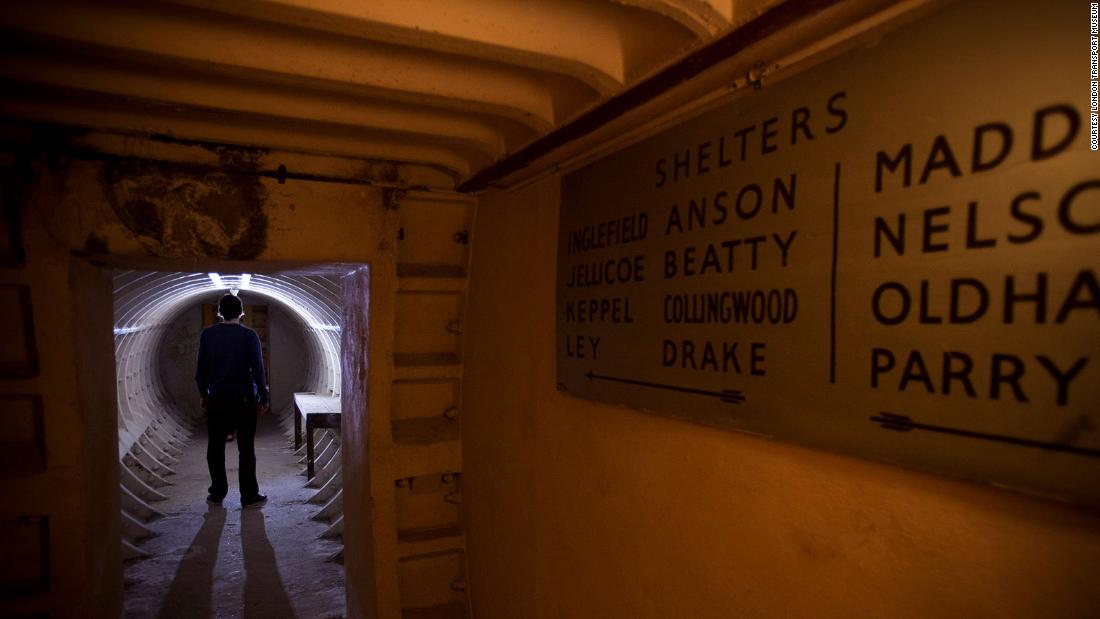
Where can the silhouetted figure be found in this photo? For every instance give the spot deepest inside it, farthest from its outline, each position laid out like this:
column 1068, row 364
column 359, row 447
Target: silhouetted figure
column 233, row 388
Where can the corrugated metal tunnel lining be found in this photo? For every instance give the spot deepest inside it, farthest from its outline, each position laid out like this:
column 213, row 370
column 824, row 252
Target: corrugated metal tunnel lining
column 146, row 303
column 153, row 426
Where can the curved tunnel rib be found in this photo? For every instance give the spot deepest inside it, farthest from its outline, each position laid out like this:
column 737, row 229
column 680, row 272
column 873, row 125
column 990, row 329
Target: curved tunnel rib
column 152, row 427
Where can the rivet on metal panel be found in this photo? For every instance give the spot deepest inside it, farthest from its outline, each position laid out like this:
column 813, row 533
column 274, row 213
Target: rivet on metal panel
column 404, row 482
column 755, row 75
column 454, row 498
column 461, row 237
column 458, row 584
column 454, row 327
column 449, row 478
column 451, row 413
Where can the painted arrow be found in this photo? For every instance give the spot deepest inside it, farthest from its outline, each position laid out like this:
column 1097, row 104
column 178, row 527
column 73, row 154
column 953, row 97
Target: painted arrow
column 729, row 396
column 902, row 423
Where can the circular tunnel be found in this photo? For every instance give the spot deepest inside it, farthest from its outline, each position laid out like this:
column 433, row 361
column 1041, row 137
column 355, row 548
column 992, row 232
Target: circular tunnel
column 155, row 414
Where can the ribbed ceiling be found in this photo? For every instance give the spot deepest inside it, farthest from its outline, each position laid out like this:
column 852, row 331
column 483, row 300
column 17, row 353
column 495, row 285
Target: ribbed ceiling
column 454, row 84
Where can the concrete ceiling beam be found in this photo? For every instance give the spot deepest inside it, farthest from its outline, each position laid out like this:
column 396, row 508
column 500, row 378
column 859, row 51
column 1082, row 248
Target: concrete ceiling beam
column 242, row 47
column 236, row 130
column 239, row 97
column 447, row 85
column 580, row 39
column 704, row 18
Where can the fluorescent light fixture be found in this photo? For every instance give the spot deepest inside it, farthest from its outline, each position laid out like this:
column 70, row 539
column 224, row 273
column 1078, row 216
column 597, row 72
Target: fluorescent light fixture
column 245, row 278
column 217, row 279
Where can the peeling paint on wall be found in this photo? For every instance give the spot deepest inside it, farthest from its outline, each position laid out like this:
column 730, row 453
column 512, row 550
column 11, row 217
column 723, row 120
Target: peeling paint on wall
column 387, row 171
column 178, row 212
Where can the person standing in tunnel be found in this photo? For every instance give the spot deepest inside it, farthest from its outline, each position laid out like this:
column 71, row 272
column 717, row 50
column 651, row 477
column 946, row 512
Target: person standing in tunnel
column 233, row 388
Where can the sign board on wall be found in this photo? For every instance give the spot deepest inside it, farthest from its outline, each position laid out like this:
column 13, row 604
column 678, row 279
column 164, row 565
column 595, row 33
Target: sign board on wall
column 893, row 254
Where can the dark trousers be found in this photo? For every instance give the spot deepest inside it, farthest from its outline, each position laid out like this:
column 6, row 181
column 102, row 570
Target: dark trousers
column 224, row 415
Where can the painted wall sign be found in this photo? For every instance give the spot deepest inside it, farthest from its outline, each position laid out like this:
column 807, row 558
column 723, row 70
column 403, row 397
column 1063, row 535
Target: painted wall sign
column 893, row 254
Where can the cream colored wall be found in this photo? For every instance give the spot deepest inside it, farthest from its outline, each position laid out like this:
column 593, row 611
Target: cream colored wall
column 575, row 509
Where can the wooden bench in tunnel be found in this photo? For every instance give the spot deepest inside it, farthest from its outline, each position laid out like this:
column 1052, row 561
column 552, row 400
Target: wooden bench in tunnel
column 313, row 411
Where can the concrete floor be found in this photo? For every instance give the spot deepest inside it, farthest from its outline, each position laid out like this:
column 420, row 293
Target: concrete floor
column 211, row 561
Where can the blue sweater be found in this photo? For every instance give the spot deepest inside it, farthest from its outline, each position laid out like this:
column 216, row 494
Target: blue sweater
column 230, row 362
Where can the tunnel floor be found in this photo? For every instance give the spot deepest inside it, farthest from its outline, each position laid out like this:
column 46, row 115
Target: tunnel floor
column 211, row 561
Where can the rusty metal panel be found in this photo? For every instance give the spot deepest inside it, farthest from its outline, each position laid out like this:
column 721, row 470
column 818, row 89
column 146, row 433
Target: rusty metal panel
column 25, row 570
column 428, row 322
column 427, row 505
column 22, row 435
column 892, row 254
column 434, row 232
column 19, row 353
column 12, row 181
column 433, row 582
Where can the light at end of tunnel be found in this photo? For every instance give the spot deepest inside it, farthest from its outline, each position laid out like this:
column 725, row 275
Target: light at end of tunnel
column 217, row 279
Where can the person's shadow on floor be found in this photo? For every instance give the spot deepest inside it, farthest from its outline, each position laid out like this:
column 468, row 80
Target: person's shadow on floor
column 190, row 592
column 264, row 593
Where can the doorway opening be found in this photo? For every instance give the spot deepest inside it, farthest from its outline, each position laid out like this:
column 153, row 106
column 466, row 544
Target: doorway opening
column 184, row 556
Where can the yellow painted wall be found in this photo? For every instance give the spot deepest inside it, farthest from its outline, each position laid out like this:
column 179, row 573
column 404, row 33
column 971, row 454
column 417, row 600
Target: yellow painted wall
column 575, row 509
